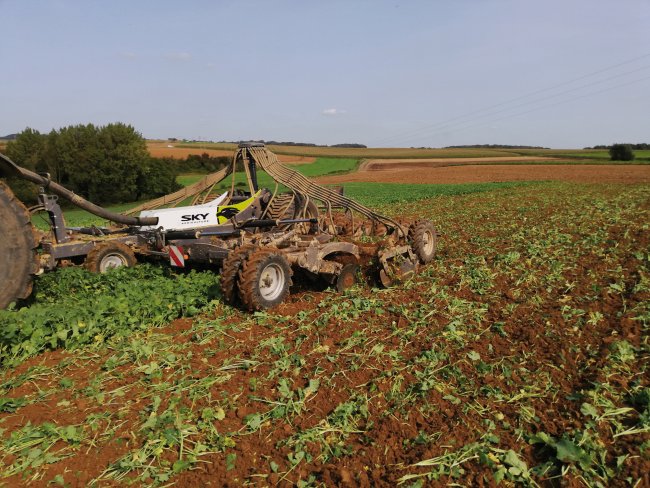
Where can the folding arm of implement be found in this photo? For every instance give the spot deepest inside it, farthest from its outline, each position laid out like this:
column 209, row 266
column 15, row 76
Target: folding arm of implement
column 252, row 154
column 398, row 256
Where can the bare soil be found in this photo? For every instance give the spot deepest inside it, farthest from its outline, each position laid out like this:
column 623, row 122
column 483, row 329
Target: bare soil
column 390, row 164
column 447, row 172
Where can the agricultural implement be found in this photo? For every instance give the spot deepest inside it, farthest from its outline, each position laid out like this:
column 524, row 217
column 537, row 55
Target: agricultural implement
column 258, row 237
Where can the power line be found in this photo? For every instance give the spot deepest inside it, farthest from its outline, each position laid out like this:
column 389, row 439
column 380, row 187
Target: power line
column 561, row 102
column 409, row 132
column 538, row 100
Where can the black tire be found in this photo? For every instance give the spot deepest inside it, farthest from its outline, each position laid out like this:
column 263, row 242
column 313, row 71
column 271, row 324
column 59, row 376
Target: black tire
column 264, row 280
column 109, row 255
column 230, row 271
column 347, row 278
column 18, row 258
column 423, row 240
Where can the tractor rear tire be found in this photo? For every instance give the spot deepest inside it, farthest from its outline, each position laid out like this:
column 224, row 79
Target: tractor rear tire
column 423, row 240
column 264, row 280
column 230, row 271
column 109, row 255
column 18, row 258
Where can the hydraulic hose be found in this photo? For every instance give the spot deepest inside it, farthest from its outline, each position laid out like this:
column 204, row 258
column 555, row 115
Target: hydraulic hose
column 9, row 168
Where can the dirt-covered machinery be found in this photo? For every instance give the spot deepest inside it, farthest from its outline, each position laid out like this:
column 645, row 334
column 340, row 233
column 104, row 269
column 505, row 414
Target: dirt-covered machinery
column 257, row 236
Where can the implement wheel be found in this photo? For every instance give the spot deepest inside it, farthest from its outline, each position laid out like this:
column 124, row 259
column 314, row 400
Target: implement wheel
column 18, row 257
column 347, row 278
column 109, row 255
column 423, row 240
column 264, row 280
column 230, row 271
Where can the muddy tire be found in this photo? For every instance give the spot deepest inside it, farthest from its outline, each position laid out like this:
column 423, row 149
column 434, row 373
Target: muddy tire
column 18, row 257
column 230, row 272
column 264, row 280
column 109, row 255
column 423, row 240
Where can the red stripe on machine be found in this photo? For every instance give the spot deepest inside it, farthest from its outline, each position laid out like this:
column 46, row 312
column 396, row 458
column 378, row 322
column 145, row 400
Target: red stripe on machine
column 176, row 256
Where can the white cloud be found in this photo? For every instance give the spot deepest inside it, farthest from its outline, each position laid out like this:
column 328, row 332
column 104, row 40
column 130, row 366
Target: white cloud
column 333, row 111
column 128, row 55
column 181, row 56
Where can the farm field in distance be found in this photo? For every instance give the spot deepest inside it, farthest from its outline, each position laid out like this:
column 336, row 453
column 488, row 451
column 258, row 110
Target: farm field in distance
column 415, row 153
column 520, row 354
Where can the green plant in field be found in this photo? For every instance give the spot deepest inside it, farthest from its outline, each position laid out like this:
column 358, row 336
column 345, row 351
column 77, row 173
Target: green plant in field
column 74, row 308
column 288, row 404
column 331, row 433
column 505, row 464
column 32, row 446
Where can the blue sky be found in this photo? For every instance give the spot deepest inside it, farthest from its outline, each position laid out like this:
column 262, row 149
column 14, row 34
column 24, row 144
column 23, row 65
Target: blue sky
column 568, row 73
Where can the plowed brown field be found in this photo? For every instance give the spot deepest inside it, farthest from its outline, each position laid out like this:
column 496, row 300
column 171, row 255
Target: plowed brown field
column 447, row 172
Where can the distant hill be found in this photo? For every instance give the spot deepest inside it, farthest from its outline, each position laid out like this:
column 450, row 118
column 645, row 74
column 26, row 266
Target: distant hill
column 10, row 137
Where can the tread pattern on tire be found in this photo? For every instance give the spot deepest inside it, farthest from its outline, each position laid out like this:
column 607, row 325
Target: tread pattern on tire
column 230, row 271
column 97, row 254
column 18, row 257
column 416, row 235
column 249, row 279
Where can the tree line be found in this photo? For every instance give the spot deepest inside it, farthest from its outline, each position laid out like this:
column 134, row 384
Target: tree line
column 639, row 146
column 104, row 164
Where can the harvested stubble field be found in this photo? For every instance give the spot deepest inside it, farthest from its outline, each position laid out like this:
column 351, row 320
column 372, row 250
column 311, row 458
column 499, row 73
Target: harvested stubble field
column 165, row 150
column 520, row 354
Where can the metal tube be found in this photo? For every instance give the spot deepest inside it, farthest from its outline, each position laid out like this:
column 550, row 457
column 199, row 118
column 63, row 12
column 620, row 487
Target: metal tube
column 12, row 169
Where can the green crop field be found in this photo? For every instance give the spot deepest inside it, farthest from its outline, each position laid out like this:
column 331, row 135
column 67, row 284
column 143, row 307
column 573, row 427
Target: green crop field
column 519, row 356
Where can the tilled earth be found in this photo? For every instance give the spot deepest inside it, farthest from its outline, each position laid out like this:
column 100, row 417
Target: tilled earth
column 520, row 354
column 454, row 171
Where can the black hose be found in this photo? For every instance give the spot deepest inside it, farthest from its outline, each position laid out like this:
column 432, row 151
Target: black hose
column 9, row 168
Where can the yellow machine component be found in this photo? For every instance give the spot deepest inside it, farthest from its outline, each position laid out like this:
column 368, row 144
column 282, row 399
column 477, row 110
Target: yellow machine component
column 227, row 212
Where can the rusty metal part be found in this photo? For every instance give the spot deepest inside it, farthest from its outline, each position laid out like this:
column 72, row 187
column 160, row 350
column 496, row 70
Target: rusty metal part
column 313, row 258
column 397, row 264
